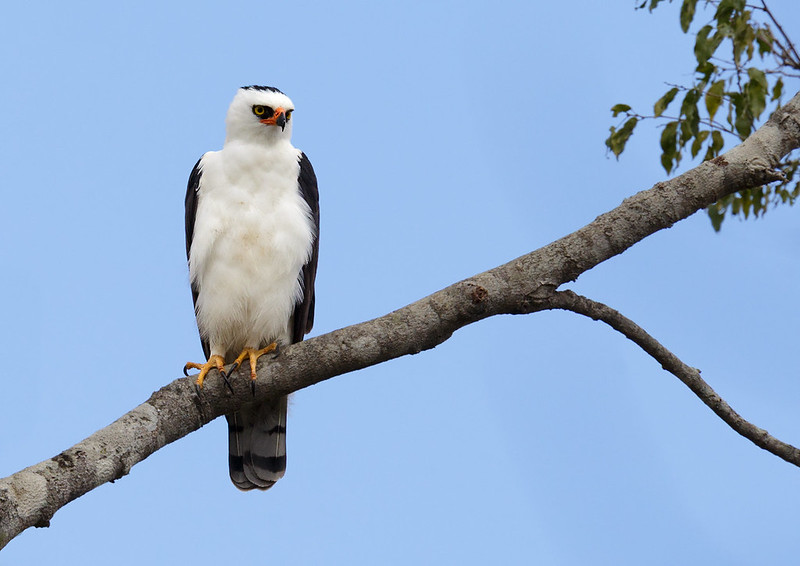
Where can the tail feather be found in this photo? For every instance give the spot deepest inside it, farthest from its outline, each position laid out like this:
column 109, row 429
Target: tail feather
column 236, row 452
column 257, row 445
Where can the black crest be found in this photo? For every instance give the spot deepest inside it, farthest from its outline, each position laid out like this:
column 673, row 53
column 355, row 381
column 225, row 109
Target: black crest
column 266, row 88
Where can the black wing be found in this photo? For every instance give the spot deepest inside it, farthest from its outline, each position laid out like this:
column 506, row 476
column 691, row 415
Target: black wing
column 191, row 213
column 303, row 318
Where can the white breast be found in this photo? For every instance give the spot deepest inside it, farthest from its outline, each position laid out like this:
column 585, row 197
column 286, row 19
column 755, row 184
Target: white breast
column 253, row 234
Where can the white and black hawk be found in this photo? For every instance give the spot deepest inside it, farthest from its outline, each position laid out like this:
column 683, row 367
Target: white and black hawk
column 252, row 229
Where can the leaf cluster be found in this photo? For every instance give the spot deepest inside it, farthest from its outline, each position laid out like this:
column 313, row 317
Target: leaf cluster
column 743, row 56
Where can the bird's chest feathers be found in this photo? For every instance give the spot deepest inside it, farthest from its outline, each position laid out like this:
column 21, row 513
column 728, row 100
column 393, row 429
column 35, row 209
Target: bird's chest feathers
column 257, row 223
column 264, row 226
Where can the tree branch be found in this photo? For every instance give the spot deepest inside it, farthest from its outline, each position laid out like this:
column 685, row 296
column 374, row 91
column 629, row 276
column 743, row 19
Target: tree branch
column 31, row 497
column 567, row 300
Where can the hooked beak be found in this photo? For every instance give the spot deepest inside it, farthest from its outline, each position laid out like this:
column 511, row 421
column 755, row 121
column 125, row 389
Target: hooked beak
column 277, row 119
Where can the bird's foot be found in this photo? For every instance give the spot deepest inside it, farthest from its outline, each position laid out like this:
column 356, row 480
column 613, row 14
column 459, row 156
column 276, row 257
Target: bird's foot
column 253, row 355
column 214, row 361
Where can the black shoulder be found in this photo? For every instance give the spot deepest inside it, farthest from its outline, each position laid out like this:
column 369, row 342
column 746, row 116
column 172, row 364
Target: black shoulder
column 303, row 318
column 190, row 203
column 308, row 185
column 191, row 212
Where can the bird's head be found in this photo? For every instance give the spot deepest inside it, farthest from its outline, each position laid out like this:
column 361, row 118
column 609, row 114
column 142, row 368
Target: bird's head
column 259, row 113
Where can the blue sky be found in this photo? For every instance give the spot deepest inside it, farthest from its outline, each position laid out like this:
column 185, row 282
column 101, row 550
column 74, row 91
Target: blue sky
column 448, row 138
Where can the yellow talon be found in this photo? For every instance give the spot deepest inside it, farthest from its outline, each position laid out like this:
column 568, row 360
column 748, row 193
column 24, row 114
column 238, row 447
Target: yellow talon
column 214, row 361
column 253, row 354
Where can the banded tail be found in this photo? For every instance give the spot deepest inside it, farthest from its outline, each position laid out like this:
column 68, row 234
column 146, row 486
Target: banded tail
column 257, row 445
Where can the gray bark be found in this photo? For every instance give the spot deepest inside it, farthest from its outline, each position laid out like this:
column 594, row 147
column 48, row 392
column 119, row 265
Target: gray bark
column 527, row 284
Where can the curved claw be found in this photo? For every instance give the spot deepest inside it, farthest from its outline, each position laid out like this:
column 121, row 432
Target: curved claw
column 214, row 362
column 192, row 365
column 227, row 381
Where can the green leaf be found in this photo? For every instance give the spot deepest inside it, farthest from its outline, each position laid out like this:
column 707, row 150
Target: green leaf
column 743, row 35
column 736, row 205
column 759, row 200
column 619, row 137
column 743, row 122
column 743, row 125
column 789, row 169
column 669, row 143
column 706, row 69
column 717, row 142
column 746, row 201
column 697, row 144
column 777, row 90
column 727, row 8
column 757, row 76
column 618, row 108
column 714, row 98
column 765, row 40
column 705, row 46
column 687, row 14
column 685, row 133
column 757, row 90
column 662, row 103
column 689, row 110
column 716, row 213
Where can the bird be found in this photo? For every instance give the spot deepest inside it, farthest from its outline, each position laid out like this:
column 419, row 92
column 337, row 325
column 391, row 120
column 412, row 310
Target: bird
column 252, row 245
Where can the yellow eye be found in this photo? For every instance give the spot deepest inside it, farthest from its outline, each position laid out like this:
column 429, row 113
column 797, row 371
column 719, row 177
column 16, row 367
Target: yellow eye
column 259, row 110
column 289, row 115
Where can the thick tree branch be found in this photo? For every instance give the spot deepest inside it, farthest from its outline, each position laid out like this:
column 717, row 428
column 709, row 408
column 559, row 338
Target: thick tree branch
column 567, row 300
column 31, row 497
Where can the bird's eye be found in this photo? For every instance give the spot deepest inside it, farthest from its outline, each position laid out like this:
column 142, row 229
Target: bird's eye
column 259, row 110
column 289, row 115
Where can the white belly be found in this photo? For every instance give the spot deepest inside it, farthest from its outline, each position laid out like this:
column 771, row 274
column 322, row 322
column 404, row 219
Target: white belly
column 252, row 236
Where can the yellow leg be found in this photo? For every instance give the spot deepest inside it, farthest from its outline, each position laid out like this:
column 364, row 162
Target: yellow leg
column 214, row 361
column 253, row 354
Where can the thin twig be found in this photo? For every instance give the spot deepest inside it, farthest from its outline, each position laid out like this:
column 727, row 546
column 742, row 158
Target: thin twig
column 704, row 121
column 794, row 57
column 568, row 300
